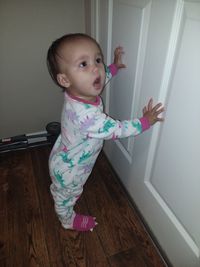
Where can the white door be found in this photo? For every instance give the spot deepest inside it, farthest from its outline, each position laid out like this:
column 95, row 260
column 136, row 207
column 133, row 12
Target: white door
column 161, row 168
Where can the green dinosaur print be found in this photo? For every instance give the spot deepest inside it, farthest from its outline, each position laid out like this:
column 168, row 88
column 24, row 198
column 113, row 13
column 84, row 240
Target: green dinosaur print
column 84, row 157
column 59, row 178
column 126, row 125
column 66, row 201
column 66, row 159
column 69, row 212
column 87, row 105
column 74, row 184
column 109, row 124
column 137, row 125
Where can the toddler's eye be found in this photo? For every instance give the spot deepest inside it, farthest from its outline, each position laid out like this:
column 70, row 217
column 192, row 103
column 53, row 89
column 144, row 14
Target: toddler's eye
column 99, row 60
column 83, row 64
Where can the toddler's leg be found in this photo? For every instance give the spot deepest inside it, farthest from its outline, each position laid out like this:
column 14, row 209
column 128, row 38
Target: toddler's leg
column 65, row 199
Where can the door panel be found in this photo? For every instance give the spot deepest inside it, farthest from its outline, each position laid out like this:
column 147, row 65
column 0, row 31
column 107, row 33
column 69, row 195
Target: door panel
column 160, row 167
column 127, row 84
column 176, row 161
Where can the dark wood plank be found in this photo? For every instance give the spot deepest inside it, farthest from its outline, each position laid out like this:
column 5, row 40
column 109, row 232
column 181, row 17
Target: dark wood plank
column 66, row 248
column 4, row 244
column 51, row 225
column 116, row 190
column 31, row 234
column 130, row 257
column 112, row 228
column 26, row 239
column 4, row 262
column 119, row 225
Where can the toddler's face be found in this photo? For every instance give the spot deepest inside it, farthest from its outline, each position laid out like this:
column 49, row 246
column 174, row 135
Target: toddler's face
column 83, row 69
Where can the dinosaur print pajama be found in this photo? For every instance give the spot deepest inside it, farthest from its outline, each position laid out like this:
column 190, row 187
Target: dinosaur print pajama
column 84, row 127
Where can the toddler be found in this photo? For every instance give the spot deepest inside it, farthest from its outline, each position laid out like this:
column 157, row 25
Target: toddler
column 75, row 63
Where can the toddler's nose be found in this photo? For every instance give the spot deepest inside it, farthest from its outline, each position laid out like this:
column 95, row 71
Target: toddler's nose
column 95, row 68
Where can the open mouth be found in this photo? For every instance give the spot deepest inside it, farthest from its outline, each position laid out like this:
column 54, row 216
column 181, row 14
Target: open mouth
column 97, row 83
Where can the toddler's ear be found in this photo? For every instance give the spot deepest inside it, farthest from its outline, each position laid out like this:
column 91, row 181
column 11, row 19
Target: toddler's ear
column 63, row 80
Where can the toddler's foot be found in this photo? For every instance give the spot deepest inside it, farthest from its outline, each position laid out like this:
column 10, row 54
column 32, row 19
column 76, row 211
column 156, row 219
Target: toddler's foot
column 81, row 223
column 84, row 223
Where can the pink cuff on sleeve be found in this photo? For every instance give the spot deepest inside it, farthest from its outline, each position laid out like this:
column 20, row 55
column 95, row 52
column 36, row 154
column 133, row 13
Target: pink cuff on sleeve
column 113, row 69
column 145, row 123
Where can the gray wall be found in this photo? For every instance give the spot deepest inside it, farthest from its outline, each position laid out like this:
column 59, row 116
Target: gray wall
column 28, row 97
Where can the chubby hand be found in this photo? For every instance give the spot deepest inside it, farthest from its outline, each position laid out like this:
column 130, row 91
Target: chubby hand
column 118, row 57
column 151, row 112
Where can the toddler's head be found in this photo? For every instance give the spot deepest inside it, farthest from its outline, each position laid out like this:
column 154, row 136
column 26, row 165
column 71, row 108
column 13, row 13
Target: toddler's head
column 75, row 63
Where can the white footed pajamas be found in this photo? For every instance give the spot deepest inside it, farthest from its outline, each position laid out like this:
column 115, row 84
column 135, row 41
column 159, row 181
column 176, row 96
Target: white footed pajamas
column 84, row 126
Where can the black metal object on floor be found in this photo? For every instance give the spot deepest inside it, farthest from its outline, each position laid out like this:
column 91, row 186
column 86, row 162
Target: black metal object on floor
column 25, row 141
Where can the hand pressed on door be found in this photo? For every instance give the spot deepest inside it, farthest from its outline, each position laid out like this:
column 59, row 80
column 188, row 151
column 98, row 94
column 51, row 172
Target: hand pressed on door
column 151, row 112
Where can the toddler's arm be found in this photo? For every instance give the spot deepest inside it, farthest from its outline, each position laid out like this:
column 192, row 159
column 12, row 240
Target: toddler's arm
column 112, row 69
column 101, row 126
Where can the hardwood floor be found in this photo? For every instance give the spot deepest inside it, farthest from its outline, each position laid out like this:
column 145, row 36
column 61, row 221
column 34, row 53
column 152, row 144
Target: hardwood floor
column 31, row 235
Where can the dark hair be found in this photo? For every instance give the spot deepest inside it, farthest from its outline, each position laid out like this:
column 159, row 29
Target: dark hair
column 52, row 54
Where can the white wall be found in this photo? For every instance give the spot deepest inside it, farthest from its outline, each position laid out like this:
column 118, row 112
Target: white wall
column 28, row 97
